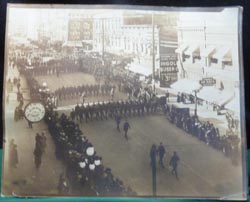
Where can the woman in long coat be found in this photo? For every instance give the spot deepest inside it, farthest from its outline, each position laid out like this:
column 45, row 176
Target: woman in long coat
column 13, row 154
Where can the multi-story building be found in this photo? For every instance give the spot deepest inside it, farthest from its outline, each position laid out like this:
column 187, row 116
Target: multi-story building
column 118, row 32
column 208, row 48
column 131, row 33
column 80, row 30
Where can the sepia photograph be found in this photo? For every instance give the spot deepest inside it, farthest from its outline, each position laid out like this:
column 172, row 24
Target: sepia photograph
column 123, row 101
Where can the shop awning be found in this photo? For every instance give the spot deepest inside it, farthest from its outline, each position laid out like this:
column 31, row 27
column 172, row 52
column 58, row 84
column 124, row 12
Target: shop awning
column 140, row 69
column 234, row 104
column 181, row 48
column 205, row 52
column 73, row 44
column 215, row 96
column 222, row 53
column 191, row 50
column 186, row 86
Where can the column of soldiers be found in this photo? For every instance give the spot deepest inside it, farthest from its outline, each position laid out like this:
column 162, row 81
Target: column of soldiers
column 100, row 111
column 54, row 67
column 72, row 92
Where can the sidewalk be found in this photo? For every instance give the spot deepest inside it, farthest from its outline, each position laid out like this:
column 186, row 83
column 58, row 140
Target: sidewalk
column 26, row 179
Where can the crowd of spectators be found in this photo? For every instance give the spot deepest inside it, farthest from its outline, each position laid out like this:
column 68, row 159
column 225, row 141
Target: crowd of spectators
column 204, row 131
column 85, row 173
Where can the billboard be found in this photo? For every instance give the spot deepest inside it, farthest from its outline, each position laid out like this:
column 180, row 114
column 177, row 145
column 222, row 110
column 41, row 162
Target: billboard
column 80, row 29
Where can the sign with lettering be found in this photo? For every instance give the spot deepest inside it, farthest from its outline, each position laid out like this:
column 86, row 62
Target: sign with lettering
column 80, row 29
column 168, row 70
column 209, row 81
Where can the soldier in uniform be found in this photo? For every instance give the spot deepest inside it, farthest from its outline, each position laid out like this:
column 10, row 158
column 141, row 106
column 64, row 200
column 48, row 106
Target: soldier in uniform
column 174, row 163
column 118, row 121
column 81, row 110
column 126, row 126
column 77, row 111
column 161, row 152
column 72, row 115
column 86, row 113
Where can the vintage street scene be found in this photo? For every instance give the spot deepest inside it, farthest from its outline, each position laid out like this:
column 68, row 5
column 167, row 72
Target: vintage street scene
column 123, row 102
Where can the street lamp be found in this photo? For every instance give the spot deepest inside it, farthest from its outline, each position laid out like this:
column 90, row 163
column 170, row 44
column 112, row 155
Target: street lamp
column 90, row 162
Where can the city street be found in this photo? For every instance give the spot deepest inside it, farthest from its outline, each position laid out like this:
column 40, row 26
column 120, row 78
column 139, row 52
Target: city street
column 203, row 171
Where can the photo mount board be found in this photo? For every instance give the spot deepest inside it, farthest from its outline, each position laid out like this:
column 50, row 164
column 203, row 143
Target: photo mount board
column 36, row 60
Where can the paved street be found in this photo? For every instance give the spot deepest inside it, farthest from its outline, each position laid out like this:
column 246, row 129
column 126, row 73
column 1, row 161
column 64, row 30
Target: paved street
column 129, row 160
column 203, row 170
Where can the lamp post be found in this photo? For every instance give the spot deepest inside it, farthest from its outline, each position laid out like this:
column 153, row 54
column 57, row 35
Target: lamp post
column 153, row 167
column 90, row 163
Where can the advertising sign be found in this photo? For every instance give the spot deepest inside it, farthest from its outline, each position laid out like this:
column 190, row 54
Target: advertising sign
column 168, row 69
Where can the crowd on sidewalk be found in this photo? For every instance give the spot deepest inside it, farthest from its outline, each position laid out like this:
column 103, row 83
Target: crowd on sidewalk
column 84, row 170
column 204, row 131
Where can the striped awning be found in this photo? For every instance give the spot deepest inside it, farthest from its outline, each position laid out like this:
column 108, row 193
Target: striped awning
column 222, row 53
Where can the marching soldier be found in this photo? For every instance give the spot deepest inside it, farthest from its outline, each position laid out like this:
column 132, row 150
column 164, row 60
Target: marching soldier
column 118, row 121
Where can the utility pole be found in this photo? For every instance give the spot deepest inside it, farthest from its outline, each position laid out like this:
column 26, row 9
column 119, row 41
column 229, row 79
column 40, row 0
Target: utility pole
column 103, row 40
column 153, row 53
column 196, row 102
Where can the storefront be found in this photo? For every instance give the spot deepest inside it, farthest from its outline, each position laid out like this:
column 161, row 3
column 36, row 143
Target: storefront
column 186, row 86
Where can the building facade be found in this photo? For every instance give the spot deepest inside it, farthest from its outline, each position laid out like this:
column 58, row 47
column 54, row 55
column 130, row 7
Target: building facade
column 208, row 47
column 119, row 33
column 208, row 50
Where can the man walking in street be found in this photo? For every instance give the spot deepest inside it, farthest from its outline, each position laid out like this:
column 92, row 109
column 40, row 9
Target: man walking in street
column 174, row 163
column 126, row 126
column 161, row 151
column 118, row 121
column 43, row 142
column 38, row 156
